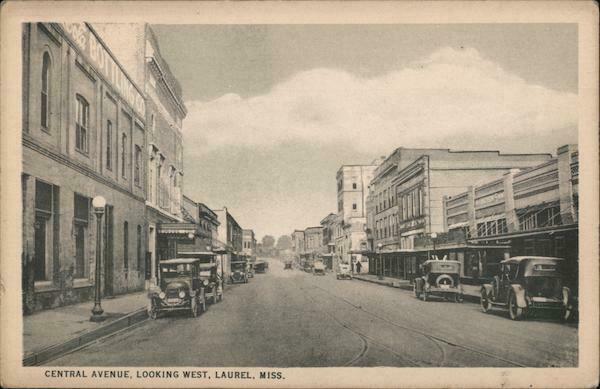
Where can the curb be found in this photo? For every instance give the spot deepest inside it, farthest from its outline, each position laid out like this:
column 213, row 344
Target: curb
column 466, row 297
column 57, row 350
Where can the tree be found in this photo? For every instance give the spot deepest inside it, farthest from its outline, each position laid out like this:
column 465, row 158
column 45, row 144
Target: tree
column 284, row 243
column 268, row 242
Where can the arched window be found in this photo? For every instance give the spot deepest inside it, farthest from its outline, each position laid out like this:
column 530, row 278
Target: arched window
column 45, row 93
column 82, row 120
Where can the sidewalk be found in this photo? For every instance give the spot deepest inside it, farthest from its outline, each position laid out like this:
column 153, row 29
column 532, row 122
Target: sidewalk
column 49, row 333
column 470, row 292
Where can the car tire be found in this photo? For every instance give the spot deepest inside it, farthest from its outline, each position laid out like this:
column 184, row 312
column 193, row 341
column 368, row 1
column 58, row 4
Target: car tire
column 152, row 312
column 194, row 306
column 204, row 305
column 485, row 301
column 515, row 312
column 416, row 290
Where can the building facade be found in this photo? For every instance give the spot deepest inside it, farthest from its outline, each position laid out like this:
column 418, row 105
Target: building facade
column 229, row 238
column 352, row 190
column 313, row 243
column 329, row 223
column 407, row 193
column 530, row 211
column 137, row 48
column 298, row 244
column 83, row 136
column 248, row 243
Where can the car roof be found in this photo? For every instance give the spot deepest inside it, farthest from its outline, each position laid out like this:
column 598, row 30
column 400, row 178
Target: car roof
column 520, row 259
column 179, row 261
column 207, row 265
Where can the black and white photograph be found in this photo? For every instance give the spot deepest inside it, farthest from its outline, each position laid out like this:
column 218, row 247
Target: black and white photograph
column 219, row 202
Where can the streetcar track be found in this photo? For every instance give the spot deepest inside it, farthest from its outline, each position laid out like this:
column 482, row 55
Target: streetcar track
column 434, row 338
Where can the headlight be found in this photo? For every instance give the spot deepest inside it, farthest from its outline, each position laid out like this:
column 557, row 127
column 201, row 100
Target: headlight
column 161, row 295
column 181, row 294
column 205, row 282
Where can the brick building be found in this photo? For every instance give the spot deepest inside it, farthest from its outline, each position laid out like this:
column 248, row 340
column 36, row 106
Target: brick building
column 83, row 136
column 406, row 195
column 530, row 211
column 137, row 48
column 230, row 239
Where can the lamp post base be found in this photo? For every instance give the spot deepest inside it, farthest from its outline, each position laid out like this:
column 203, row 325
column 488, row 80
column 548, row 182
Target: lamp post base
column 97, row 314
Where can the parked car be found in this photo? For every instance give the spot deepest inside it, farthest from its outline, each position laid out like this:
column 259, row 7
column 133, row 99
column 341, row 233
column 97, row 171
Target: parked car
column 214, row 289
column 440, row 278
column 287, row 265
column 181, row 288
column 344, row 272
column 319, row 268
column 526, row 284
column 261, row 266
column 238, row 272
column 250, row 269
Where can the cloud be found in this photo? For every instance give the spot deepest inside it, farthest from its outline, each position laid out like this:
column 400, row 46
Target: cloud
column 452, row 98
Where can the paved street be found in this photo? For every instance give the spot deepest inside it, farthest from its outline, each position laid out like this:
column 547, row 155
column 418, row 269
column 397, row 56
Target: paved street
column 290, row 318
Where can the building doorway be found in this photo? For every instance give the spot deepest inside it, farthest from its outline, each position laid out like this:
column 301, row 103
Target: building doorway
column 151, row 257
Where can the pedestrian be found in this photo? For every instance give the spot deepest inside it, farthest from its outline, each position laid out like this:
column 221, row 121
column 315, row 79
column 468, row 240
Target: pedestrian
column 358, row 266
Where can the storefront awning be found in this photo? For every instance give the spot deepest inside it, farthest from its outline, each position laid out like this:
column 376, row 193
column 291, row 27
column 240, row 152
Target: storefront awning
column 177, row 229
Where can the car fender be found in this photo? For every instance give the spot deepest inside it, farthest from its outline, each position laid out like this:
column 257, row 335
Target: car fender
column 519, row 292
column 487, row 289
column 566, row 296
column 419, row 284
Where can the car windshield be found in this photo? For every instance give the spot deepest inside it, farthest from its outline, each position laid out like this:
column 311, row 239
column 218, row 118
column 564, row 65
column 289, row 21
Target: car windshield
column 171, row 271
column 205, row 273
column 238, row 266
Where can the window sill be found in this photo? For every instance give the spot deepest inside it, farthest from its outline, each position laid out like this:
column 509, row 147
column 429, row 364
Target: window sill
column 81, row 283
column 45, row 130
column 44, row 286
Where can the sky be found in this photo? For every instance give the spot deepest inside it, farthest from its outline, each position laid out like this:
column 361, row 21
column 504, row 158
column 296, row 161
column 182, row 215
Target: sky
column 275, row 110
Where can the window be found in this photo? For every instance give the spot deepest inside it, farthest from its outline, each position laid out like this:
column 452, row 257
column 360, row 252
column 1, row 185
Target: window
column 502, row 229
column 480, row 229
column 45, row 93
column 81, row 206
column 81, row 125
column 43, row 217
column 138, row 162
column 354, row 185
column 126, row 246
column 139, row 248
column 354, row 206
column 109, row 145
column 123, row 155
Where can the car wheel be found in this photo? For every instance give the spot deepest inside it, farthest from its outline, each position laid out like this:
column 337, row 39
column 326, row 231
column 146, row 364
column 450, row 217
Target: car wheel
column 194, row 307
column 152, row 312
column 485, row 301
column 515, row 312
column 417, row 294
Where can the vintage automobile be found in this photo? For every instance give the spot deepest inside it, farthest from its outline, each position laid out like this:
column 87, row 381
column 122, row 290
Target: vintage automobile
column 344, row 271
column 261, row 266
column 250, row 269
column 287, row 265
column 181, row 288
column 526, row 284
column 440, row 278
column 319, row 268
column 239, row 273
column 307, row 266
column 214, row 289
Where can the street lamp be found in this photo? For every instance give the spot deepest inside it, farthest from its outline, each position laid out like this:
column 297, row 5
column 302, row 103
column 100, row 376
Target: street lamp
column 380, row 272
column 98, row 203
column 433, row 238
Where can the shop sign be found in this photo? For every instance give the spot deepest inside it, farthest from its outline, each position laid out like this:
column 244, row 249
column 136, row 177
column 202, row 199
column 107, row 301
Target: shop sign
column 104, row 63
